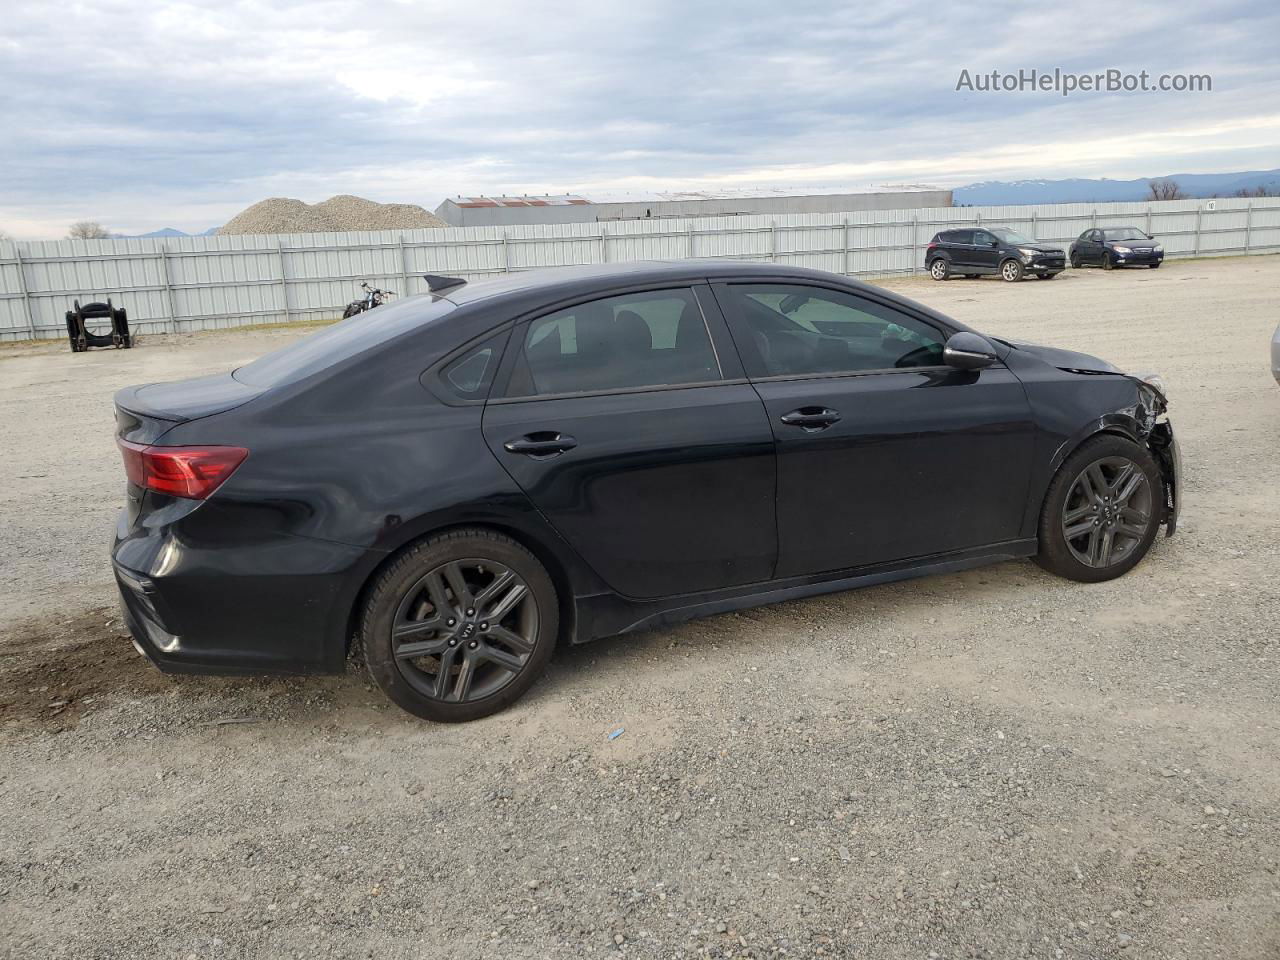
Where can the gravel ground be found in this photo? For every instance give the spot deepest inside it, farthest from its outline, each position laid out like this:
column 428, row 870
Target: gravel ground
column 992, row 764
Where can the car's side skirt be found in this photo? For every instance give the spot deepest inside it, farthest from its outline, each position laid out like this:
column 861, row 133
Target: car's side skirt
column 604, row 615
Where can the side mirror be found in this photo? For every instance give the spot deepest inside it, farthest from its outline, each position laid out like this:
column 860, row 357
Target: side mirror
column 968, row 351
column 994, row 244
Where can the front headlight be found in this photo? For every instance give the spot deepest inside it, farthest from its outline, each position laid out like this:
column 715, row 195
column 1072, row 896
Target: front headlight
column 1123, row 249
column 1158, row 248
column 1155, row 380
column 1027, row 254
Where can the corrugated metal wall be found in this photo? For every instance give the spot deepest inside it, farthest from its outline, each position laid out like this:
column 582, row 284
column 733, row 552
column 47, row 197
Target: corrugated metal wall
column 201, row 283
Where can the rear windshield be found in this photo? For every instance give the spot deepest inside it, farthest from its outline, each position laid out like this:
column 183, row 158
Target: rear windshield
column 344, row 339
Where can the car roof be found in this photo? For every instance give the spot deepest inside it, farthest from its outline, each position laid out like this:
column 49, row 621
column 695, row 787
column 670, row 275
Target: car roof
column 586, row 279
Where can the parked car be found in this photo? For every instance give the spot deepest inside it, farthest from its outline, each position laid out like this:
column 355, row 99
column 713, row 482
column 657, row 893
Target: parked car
column 978, row 251
column 1116, row 247
column 1275, row 355
column 464, row 479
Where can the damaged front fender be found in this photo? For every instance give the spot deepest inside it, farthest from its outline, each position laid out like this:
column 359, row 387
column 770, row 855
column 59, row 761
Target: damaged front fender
column 1164, row 446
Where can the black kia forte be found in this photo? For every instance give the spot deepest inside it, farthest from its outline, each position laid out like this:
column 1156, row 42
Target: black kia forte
column 461, row 480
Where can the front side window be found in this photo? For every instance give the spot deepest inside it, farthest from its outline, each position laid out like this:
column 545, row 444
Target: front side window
column 652, row 339
column 796, row 330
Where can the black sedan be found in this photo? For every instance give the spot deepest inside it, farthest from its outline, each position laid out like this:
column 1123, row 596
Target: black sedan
column 460, row 480
column 1116, row 247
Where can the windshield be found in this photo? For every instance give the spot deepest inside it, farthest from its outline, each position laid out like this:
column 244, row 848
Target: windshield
column 1010, row 236
column 1123, row 233
column 344, row 339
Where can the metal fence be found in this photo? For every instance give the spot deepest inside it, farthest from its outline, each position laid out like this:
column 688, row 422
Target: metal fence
column 201, row 283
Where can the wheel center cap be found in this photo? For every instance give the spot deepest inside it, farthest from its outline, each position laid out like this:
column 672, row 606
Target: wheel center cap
column 467, row 630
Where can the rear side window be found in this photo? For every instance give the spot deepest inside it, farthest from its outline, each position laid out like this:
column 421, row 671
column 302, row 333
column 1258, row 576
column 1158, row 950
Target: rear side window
column 796, row 330
column 651, row 339
column 469, row 376
column 958, row 236
column 342, row 340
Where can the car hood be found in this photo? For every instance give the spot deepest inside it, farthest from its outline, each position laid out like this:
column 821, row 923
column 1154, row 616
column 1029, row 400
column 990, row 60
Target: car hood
column 1142, row 244
column 1042, row 247
column 1066, row 359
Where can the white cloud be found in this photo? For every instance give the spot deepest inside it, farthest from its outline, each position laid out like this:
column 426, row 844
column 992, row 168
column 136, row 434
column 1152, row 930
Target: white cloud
column 183, row 113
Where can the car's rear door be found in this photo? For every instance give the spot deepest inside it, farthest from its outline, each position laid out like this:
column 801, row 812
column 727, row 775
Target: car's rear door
column 960, row 245
column 884, row 453
column 617, row 418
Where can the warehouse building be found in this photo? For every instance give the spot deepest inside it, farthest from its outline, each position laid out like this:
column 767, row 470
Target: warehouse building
column 569, row 208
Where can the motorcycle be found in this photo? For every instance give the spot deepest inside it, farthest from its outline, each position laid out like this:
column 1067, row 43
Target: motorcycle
column 373, row 297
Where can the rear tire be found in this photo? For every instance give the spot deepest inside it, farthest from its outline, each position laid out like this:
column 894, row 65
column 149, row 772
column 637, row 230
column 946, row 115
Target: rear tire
column 1109, row 494
column 940, row 268
column 443, row 648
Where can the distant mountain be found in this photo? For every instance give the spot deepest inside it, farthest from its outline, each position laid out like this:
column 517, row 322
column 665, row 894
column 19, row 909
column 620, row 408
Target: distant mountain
column 1000, row 192
column 171, row 232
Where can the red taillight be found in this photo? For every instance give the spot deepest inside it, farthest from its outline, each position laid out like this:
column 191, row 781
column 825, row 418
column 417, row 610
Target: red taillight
column 932, row 244
column 191, row 472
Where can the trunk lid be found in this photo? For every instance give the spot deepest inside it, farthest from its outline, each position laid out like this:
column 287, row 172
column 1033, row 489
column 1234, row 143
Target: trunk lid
column 168, row 404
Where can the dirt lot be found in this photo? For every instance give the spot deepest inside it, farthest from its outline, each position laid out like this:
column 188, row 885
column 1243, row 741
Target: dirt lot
column 992, row 764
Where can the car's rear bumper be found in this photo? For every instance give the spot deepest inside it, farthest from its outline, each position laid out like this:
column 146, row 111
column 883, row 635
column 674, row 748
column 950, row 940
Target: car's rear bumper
column 278, row 606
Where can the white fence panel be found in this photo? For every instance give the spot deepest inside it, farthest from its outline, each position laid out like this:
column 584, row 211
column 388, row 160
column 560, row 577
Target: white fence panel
column 196, row 283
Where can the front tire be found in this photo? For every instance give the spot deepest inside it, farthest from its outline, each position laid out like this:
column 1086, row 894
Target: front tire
column 940, row 269
column 1011, row 271
column 1107, row 262
column 1046, row 276
column 1102, row 511
column 460, row 625
column 1076, row 262
column 1154, row 266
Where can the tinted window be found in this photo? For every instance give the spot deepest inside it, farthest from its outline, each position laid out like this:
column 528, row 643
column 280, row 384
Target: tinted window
column 470, row 375
column 1124, row 233
column 958, row 236
column 635, row 340
column 344, row 339
column 984, row 238
column 797, row 330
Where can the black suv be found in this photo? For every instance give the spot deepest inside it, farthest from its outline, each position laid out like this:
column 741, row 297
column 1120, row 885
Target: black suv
column 973, row 252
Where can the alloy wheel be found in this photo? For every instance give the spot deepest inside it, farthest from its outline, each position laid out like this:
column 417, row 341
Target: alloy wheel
column 1107, row 513
column 464, row 630
column 939, row 269
column 1011, row 271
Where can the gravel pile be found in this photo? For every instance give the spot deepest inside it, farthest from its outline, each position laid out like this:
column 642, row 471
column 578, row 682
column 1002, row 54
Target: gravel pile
column 341, row 213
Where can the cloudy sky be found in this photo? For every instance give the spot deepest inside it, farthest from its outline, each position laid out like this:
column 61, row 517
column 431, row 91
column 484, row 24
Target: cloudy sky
column 150, row 114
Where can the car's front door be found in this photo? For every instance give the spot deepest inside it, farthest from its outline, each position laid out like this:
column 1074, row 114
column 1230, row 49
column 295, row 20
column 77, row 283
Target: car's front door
column 615, row 419
column 986, row 251
column 884, row 453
